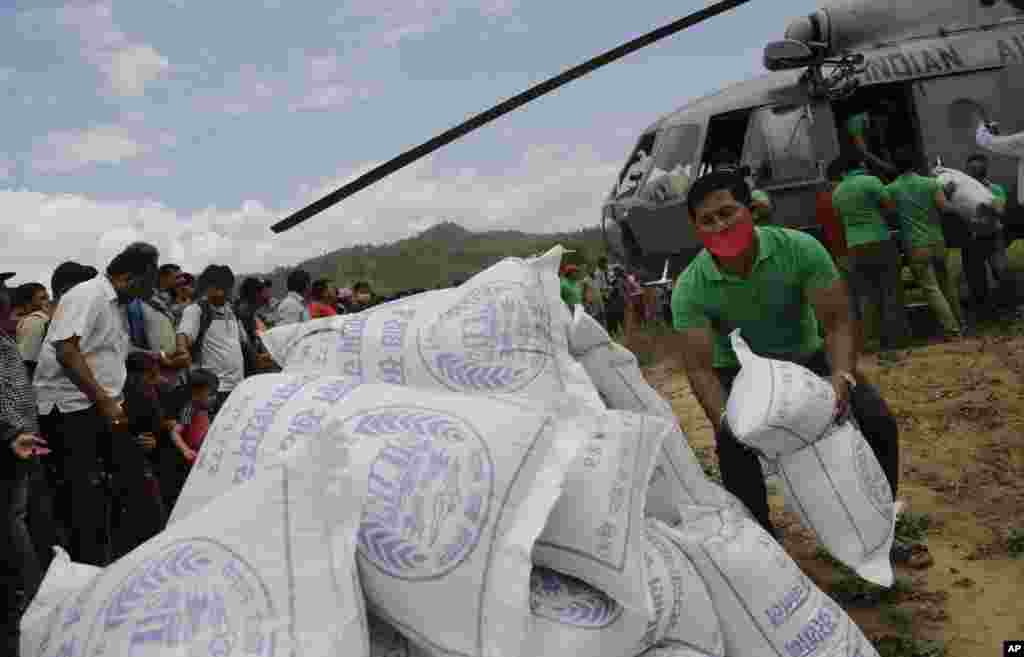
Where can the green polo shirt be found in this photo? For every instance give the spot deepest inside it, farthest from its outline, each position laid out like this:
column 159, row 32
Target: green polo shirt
column 999, row 192
column 858, row 201
column 761, row 215
column 572, row 292
column 771, row 307
column 915, row 204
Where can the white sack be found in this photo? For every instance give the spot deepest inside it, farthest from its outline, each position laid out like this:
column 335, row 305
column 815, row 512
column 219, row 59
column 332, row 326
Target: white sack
column 777, row 407
column 596, row 530
column 766, row 605
column 679, row 480
column 969, row 193
column 613, row 369
column 503, row 331
column 459, row 489
column 572, row 618
column 1009, row 145
column 670, row 649
column 840, row 492
column 64, row 578
column 267, row 569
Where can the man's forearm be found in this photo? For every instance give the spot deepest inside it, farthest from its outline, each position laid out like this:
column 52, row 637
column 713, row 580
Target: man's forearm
column 710, row 394
column 76, row 369
column 842, row 348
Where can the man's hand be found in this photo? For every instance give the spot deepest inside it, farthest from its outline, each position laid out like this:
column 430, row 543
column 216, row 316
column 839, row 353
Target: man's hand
column 27, row 445
column 841, row 384
column 189, row 454
column 264, row 361
column 112, row 410
column 146, row 441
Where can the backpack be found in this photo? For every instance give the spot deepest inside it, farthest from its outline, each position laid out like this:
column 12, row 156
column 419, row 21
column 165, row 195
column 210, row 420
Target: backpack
column 205, row 319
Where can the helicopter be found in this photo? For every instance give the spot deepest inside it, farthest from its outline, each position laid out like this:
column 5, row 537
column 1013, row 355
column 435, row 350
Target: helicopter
column 915, row 63
column 916, row 66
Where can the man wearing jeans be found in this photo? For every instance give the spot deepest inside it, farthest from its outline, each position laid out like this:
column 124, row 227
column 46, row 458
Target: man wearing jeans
column 874, row 265
column 779, row 287
column 919, row 200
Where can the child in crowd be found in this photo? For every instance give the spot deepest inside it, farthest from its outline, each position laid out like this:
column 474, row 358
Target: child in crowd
column 187, row 426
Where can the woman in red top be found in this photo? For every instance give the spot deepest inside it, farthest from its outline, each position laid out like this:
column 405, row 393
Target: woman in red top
column 323, row 297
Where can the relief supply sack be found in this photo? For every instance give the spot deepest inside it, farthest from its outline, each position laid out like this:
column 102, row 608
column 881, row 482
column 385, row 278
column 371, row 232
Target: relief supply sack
column 679, row 480
column 777, row 407
column 613, row 369
column 267, row 569
column 459, row 489
column 766, row 605
column 572, row 618
column 967, row 198
column 840, row 492
column 596, row 530
column 504, row 331
column 64, row 578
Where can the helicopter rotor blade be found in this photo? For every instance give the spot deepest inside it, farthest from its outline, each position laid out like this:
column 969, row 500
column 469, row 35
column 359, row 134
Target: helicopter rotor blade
column 483, row 118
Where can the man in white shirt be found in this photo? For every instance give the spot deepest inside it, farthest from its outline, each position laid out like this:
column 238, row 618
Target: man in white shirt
column 79, row 383
column 219, row 344
column 292, row 308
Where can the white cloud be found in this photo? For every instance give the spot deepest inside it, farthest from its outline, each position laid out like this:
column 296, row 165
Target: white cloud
column 130, row 69
column 68, row 150
column 552, row 189
column 127, row 65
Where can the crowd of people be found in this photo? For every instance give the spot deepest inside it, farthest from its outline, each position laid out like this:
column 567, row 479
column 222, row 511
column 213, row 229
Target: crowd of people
column 107, row 391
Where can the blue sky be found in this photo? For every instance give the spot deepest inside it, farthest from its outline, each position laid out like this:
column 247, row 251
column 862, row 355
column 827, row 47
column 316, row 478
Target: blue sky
column 196, row 125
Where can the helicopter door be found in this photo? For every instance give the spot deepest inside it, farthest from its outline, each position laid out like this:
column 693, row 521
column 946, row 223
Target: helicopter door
column 656, row 214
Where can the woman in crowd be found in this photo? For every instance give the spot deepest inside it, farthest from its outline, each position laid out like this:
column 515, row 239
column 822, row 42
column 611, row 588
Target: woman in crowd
column 323, row 298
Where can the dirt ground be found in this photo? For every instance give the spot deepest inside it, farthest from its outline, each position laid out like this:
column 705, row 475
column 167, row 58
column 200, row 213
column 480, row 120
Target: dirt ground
column 960, row 408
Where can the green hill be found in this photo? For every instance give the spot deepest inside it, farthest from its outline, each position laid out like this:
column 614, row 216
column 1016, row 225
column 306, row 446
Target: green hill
column 439, row 256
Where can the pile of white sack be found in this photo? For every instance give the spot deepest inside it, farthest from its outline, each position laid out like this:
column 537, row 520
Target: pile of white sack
column 473, row 472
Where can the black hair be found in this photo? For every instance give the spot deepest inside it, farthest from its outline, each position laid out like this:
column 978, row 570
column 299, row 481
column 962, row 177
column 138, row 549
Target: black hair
column 978, row 157
column 169, row 269
column 137, row 259
column 298, row 281
column 250, row 289
column 23, row 293
column 836, row 169
column 319, row 287
column 905, row 159
column 69, row 274
column 717, row 181
column 202, row 377
column 219, row 276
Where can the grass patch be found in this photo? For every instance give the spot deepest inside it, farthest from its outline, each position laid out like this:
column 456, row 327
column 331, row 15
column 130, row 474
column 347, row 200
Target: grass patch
column 848, row 588
column 912, row 527
column 908, row 646
column 1015, row 543
column 708, row 464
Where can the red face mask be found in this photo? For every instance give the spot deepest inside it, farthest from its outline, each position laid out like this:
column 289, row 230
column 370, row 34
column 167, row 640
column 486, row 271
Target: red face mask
column 730, row 242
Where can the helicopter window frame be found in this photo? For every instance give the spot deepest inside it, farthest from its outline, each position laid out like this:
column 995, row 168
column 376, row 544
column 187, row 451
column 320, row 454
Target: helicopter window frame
column 768, row 151
column 647, row 142
column 677, row 145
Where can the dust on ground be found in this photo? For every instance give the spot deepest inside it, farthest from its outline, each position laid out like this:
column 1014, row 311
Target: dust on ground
column 960, row 408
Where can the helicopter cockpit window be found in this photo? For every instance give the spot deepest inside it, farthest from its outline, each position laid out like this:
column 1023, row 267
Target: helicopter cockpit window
column 639, row 164
column 673, row 165
column 779, row 148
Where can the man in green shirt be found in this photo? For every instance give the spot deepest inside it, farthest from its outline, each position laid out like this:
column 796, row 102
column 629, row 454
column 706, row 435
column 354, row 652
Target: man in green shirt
column 779, row 287
column 919, row 200
column 865, row 127
column 989, row 249
column 572, row 291
column 873, row 258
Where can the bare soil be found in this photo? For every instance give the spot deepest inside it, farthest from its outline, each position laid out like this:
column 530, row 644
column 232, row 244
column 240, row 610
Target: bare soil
column 960, row 407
